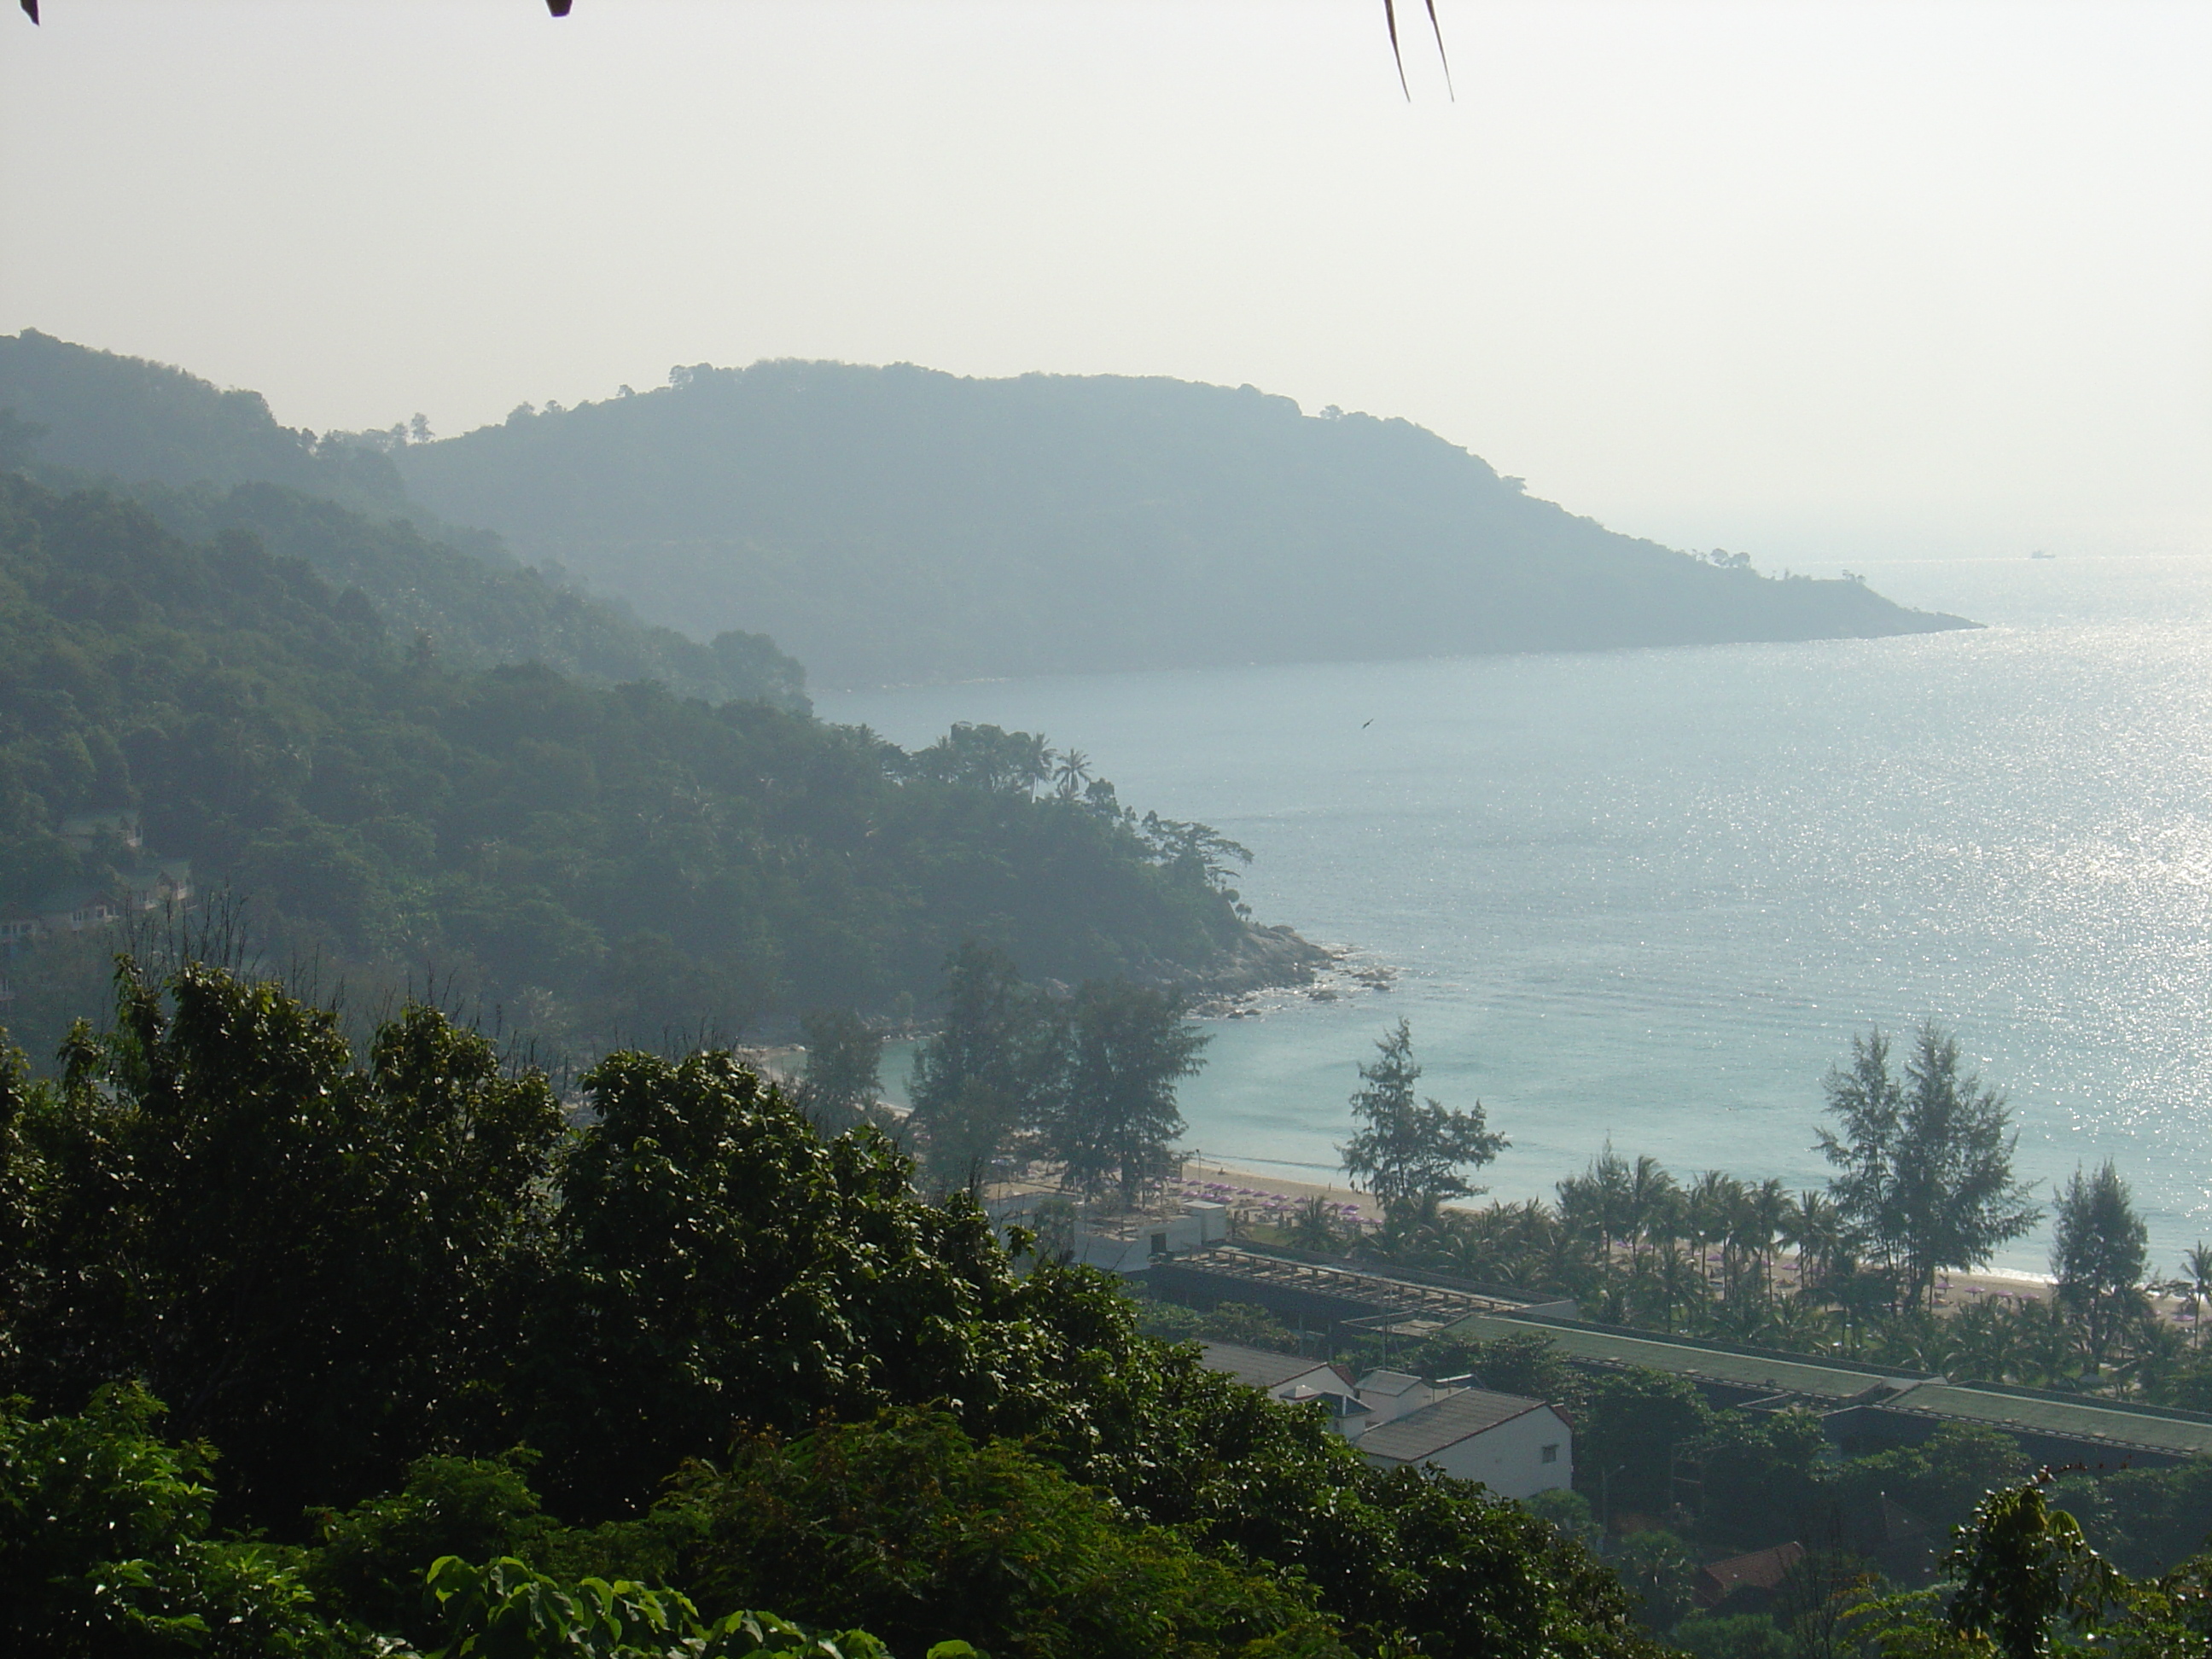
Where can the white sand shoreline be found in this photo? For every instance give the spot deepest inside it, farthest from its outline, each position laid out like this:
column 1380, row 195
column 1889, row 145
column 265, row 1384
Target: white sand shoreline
column 1962, row 1287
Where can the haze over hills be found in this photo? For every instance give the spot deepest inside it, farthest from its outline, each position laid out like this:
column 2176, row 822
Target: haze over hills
column 894, row 524
column 406, row 759
column 207, row 462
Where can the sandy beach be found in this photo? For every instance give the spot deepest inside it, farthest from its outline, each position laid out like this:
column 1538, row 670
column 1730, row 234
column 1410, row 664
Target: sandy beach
column 1955, row 1290
column 1206, row 1172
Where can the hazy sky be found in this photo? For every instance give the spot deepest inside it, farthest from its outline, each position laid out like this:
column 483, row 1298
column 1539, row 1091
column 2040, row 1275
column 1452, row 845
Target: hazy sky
column 1817, row 279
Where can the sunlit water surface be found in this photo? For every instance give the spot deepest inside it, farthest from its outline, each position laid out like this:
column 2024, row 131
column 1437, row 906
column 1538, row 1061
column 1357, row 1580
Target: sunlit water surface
column 1651, row 894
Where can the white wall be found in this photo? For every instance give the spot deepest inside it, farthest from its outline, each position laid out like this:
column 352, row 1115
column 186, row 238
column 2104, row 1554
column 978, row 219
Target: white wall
column 1508, row 1458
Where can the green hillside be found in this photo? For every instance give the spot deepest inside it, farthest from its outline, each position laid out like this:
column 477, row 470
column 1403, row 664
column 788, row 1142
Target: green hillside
column 127, row 418
column 599, row 861
column 895, row 525
column 478, row 613
column 401, row 1306
column 206, row 461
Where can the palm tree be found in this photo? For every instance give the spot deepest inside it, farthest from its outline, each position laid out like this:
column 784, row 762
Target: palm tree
column 1758, row 1217
column 1912, row 1336
column 1664, row 1221
column 1800, row 1327
column 1593, row 1209
column 2154, row 1353
column 1500, row 1243
column 1073, row 774
column 1314, row 1227
column 2050, row 1348
column 1811, row 1227
column 1713, row 1197
column 1033, row 764
column 1649, row 1189
column 1682, row 1287
column 1611, row 1189
column 2194, row 1287
column 1986, row 1343
column 1859, row 1293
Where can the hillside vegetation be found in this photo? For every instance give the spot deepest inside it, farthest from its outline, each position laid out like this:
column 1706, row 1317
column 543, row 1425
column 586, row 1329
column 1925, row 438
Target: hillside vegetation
column 595, row 859
column 205, row 461
column 894, row 524
column 402, row 1308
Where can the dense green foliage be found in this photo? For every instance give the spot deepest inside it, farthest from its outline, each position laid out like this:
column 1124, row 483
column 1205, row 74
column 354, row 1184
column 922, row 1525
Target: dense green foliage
column 890, row 525
column 2021, row 1581
column 362, row 1285
column 608, row 861
column 1085, row 1083
column 1408, row 1151
column 106, row 1549
column 1925, row 1160
column 106, row 1546
column 1732, row 1481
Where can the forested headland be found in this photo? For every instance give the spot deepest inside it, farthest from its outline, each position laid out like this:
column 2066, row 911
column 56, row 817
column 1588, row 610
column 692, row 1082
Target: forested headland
column 585, row 861
column 895, row 525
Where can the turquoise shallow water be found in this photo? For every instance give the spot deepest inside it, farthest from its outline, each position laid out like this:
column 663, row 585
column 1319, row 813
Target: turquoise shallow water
column 1649, row 895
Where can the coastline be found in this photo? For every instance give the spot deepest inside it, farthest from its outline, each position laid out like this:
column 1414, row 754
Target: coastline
column 1271, row 966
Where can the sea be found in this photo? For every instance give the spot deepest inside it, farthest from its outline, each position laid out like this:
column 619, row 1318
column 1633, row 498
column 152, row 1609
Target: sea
column 1648, row 897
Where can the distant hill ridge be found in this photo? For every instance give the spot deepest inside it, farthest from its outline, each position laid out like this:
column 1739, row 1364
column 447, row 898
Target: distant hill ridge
column 205, row 462
column 894, row 524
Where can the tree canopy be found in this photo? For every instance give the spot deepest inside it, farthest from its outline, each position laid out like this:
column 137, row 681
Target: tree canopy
column 361, row 1287
column 2099, row 1249
column 1410, row 1151
column 592, row 860
column 1926, row 1176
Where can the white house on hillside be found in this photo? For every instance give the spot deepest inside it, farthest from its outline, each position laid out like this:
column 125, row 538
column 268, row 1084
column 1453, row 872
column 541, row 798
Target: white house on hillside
column 1515, row 1447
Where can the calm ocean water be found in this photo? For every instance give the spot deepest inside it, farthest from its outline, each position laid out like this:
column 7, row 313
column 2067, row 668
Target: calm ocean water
column 1651, row 894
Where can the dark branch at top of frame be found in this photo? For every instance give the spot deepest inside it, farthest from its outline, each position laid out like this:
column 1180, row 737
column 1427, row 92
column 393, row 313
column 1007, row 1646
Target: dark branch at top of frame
column 560, row 8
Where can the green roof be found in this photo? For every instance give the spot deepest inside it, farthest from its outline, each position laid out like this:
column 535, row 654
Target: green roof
column 1700, row 1361
column 2023, row 1411
column 2170, row 1432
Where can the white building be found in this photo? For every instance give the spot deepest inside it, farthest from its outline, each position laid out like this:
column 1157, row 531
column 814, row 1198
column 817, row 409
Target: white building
column 1515, row 1447
column 1119, row 1245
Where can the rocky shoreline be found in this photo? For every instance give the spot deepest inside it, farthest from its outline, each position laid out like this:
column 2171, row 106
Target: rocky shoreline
column 1271, row 967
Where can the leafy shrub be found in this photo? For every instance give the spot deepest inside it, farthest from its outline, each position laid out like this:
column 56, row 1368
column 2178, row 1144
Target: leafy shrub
column 505, row 1611
column 1738, row 1636
column 104, row 1546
